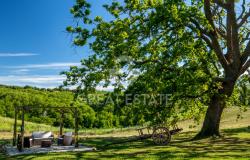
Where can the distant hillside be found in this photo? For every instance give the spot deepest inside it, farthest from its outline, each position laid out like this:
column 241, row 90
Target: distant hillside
column 95, row 115
column 41, row 103
column 13, row 96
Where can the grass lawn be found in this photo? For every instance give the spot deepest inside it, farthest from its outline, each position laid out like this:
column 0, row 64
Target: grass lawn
column 235, row 144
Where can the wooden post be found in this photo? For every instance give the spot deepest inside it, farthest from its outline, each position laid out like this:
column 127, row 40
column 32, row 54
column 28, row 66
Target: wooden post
column 14, row 130
column 76, row 128
column 22, row 129
column 61, row 124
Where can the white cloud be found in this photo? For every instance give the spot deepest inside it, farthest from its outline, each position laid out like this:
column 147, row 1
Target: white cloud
column 18, row 75
column 17, row 54
column 108, row 88
column 20, row 71
column 44, row 81
column 44, row 66
column 99, row 87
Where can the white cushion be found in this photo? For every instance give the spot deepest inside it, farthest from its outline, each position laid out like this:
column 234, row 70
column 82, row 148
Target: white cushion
column 46, row 134
column 37, row 134
column 68, row 134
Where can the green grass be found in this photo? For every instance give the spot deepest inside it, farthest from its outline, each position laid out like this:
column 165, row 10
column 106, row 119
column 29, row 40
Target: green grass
column 235, row 144
column 231, row 146
column 6, row 128
column 7, row 125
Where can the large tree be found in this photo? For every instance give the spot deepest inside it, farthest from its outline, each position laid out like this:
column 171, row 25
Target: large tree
column 195, row 49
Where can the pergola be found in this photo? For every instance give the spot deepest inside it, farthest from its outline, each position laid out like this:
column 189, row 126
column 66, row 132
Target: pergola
column 62, row 110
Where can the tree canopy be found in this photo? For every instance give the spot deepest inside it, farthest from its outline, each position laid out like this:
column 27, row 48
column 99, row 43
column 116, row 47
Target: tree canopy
column 194, row 50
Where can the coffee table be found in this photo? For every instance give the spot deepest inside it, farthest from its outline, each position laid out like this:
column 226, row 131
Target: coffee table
column 46, row 143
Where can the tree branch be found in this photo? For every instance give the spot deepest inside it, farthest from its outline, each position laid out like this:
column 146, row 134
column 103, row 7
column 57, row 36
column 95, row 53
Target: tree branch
column 213, row 35
column 220, row 3
column 243, row 10
column 219, row 79
column 245, row 67
column 244, row 19
column 208, row 13
column 197, row 26
column 233, row 37
column 246, row 54
column 221, row 27
column 246, row 38
column 203, row 33
column 145, row 61
column 193, row 96
column 207, row 40
column 222, row 33
column 219, row 53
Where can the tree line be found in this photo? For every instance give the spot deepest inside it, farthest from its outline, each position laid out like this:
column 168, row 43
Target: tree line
column 42, row 107
column 102, row 109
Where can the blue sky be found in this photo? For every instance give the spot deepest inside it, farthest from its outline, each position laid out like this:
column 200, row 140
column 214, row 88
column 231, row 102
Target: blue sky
column 34, row 47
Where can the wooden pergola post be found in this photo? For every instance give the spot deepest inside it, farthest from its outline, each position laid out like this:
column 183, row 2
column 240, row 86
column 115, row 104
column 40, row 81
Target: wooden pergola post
column 61, row 124
column 76, row 128
column 15, row 125
column 22, row 129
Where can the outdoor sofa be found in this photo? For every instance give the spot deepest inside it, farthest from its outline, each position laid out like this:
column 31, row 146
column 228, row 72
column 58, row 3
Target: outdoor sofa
column 39, row 136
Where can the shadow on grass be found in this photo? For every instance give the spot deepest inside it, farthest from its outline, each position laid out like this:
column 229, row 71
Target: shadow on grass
column 237, row 130
column 181, row 147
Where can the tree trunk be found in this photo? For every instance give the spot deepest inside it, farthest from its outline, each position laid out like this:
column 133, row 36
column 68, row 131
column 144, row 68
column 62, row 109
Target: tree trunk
column 211, row 124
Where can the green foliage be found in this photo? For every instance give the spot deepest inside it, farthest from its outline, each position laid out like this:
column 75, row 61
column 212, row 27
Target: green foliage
column 154, row 47
column 106, row 119
column 88, row 118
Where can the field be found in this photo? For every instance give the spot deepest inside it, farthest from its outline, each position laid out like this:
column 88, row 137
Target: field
column 235, row 143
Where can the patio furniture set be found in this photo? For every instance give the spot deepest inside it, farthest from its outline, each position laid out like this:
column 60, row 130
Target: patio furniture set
column 45, row 139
